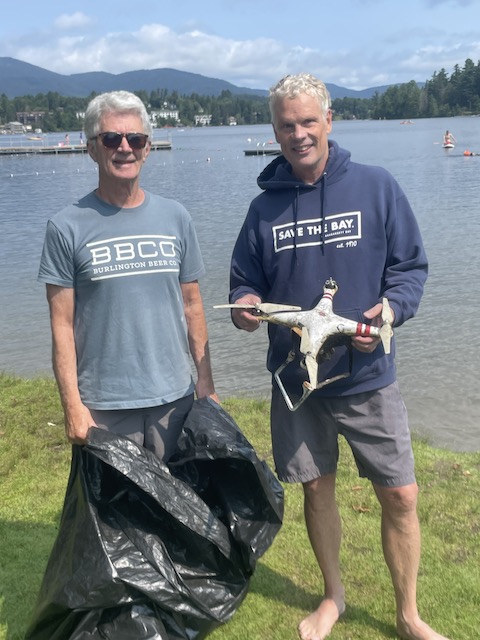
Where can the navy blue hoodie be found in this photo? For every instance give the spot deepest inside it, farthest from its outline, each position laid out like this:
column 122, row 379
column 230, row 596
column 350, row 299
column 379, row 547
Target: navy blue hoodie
column 354, row 225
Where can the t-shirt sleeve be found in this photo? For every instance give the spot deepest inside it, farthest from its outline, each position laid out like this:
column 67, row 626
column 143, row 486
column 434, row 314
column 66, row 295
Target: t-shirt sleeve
column 192, row 266
column 56, row 263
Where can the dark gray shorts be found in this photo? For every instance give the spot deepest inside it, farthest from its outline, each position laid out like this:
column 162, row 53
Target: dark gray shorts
column 375, row 424
column 155, row 428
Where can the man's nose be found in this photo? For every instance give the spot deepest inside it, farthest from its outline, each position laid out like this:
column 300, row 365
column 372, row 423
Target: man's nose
column 299, row 132
column 124, row 145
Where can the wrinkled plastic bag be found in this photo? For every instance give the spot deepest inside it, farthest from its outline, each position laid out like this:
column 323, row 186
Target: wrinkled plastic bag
column 147, row 551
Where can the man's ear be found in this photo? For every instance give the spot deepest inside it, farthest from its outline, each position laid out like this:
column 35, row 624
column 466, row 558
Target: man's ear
column 148, row 148
column 92, row 150
column 329, row 120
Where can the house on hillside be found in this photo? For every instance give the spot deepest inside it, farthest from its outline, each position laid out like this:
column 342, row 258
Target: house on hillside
column 203, row 119
column 163, row 114
column 15, row 127
column 32, row 118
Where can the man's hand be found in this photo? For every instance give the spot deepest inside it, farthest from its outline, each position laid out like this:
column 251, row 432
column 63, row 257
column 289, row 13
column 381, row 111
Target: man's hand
column 368, row 344
column 204, row 389
column 242, row 318
column 78, row 421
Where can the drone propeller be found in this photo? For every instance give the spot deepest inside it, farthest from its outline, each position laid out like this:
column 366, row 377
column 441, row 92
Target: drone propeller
column 387, row 313
column 271, row 307
column 386, row 331
column 261, row 307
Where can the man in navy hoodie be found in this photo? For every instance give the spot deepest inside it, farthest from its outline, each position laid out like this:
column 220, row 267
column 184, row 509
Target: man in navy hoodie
column 321, row 215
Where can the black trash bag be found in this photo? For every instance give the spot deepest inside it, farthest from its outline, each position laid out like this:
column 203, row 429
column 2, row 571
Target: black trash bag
column 147, row 551
column 218, row 462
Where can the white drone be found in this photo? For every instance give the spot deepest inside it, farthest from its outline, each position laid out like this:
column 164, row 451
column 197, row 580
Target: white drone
column 314, row 328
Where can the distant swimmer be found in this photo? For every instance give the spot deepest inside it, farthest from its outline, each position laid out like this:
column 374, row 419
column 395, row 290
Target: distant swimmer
column 448, row 139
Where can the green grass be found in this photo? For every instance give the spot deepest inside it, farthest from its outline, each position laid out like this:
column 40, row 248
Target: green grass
column 34, row 466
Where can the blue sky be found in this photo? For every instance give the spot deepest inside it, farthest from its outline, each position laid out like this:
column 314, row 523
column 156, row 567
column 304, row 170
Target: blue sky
column 252, row 43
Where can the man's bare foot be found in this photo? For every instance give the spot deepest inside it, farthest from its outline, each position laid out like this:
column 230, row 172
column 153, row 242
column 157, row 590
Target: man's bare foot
column 318, row 625
column 417, row 630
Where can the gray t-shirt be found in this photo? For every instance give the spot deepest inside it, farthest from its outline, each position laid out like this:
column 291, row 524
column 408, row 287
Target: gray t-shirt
column 126, row 266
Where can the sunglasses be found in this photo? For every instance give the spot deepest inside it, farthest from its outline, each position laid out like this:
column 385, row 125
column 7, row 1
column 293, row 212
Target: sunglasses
column 113, row 139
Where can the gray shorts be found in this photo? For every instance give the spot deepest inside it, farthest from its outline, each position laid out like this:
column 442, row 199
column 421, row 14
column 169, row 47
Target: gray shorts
column 374, row 423
column 155, row 428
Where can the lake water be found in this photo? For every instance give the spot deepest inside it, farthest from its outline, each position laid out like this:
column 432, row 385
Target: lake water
column 438, row 351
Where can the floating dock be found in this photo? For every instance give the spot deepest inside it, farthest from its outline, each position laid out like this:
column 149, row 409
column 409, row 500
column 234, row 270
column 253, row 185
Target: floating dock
column 61, row 149
column 262, row 151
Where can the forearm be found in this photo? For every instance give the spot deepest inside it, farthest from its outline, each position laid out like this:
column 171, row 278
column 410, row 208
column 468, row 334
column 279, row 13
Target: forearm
column 65, row 367
column 78, row 419
column 406, row 268
column 199, row 349
column 205, row 385
column 198, row 340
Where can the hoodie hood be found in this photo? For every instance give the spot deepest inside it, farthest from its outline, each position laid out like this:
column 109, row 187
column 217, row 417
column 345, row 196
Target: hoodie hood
column 279, row 175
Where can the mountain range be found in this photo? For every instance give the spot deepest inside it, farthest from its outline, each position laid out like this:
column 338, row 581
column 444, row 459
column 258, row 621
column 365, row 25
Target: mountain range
column 19, row 78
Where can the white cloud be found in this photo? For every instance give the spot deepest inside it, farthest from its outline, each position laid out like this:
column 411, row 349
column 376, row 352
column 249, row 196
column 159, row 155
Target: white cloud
column 256, row 63
column 460, row 3
column 75, row 20
column 438, row 57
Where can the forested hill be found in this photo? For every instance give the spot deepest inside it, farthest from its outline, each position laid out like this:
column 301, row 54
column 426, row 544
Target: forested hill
column 19, row 78
column 61, row 98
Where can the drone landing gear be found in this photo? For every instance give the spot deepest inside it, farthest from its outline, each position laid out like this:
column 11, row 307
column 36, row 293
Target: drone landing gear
column 307, row 388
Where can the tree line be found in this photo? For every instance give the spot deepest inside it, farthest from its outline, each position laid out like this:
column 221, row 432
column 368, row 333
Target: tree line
column 442, row 95
column 61, row 113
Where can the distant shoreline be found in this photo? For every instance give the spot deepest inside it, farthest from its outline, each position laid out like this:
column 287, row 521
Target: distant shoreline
column 62, row 149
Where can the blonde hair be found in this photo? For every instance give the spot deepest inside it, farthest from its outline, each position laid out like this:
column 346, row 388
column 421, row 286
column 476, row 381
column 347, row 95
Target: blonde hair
column 293, row 85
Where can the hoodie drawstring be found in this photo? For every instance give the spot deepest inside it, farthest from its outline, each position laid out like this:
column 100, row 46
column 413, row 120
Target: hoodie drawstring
column 323, row 197
column 295, row 222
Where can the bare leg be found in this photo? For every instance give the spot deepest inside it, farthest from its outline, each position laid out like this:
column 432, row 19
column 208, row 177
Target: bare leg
column 401, row 548
column 325, row 533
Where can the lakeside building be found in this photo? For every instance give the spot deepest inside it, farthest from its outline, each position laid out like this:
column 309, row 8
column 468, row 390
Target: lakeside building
column 203, row 119
column 164, row 114
column 14, row 127
column 32, row 119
